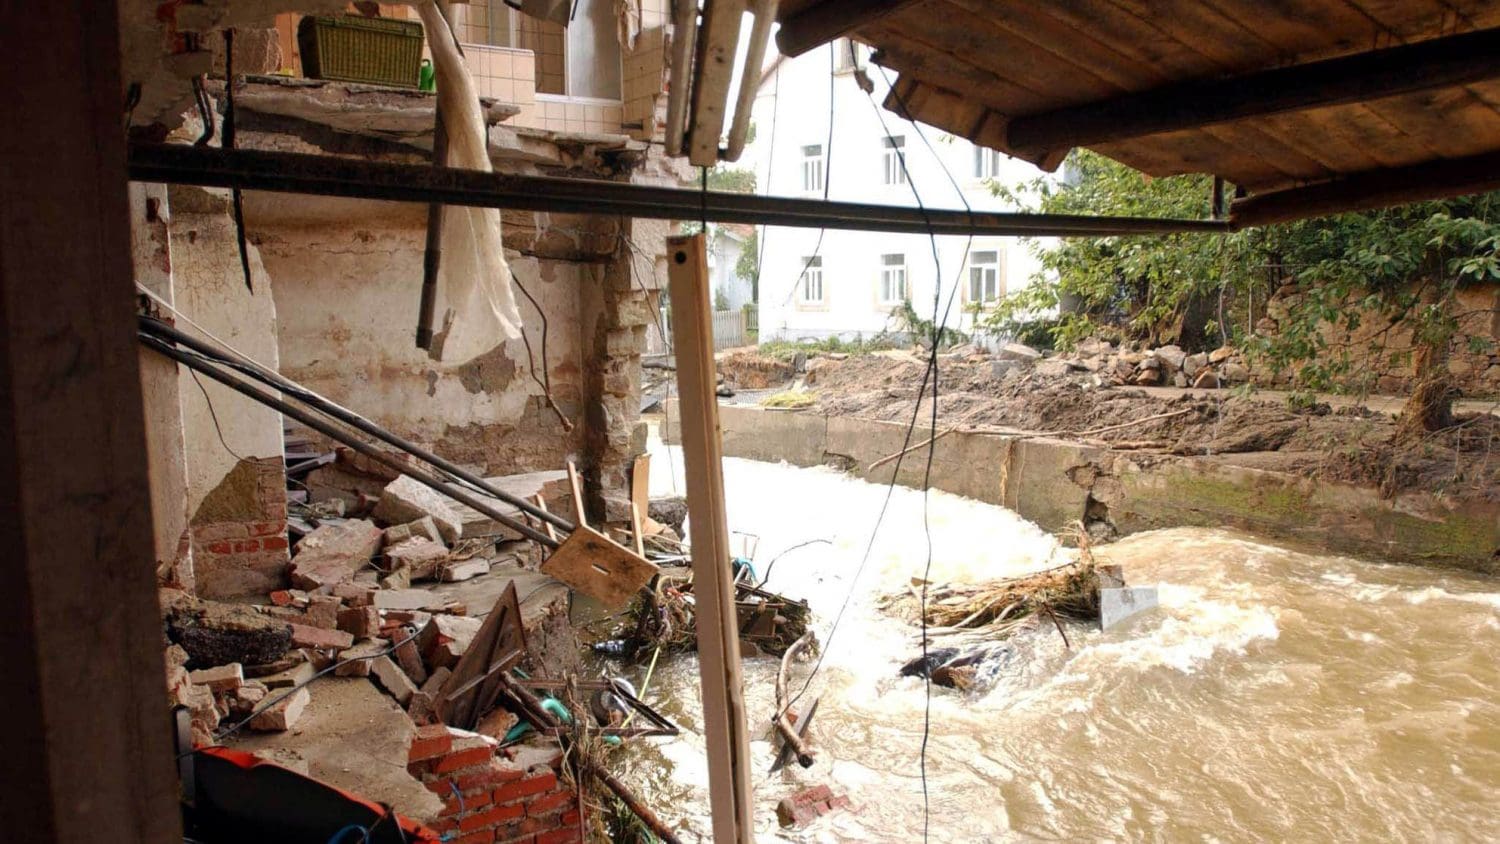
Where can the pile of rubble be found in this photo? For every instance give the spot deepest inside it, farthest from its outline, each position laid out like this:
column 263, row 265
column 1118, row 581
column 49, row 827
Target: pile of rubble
column 1103, row 363
column 351, row 605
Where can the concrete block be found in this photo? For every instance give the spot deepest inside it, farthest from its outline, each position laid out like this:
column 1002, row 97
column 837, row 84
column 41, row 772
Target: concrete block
column 405, row 500
column 464, row 570
column 419, row 555
column 423, row 527
column 360, row 667
column 1118, row 604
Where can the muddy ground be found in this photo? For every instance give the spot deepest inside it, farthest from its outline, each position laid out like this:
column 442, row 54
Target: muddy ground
column 1350, row 444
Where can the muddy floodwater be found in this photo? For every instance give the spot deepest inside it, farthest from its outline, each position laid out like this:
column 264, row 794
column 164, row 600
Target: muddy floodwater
column 1274, row 696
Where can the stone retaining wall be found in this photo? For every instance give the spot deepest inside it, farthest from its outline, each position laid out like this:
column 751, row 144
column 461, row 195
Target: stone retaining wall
column 1057, row 484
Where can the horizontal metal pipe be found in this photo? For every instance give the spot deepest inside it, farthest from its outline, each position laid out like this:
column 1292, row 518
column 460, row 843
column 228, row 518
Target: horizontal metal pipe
column 254, row 393
column 276, row 380
column 288, row 172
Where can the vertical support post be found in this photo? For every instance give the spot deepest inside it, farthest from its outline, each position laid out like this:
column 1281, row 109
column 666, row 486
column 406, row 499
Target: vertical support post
column 87, row 733
column 725, row 730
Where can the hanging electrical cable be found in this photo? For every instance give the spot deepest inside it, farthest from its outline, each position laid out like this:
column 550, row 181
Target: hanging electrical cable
column 827, row 174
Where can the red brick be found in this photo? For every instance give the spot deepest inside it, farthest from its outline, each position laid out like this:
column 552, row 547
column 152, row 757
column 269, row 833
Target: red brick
column 429, row 742
column 489, row 817
column 525, row 788
column 550, row 802
column 282, row 598
column 570, row 817
column 520, row 839
column 267, row 528
column 246, row 546
column 469, row 803
column 497, row 774
column 483, row 836
column 307, row 636
column 460, row 759
column 559, row 836
column 274, row 543
column 221, row 548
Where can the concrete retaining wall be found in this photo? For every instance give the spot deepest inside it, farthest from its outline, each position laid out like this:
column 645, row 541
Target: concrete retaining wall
column 1057, row 484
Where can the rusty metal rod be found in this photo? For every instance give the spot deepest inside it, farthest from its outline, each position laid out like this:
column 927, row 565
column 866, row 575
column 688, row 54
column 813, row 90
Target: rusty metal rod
column 275, row 380
column 201, row 364
column 529, row 702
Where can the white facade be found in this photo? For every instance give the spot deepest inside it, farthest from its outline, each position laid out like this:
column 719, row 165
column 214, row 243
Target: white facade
column 847, row 284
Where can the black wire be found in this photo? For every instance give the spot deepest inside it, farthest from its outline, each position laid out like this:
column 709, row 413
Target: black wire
column 545, row 382
column 760, row 247
column 767, row 576
column 236, row 196
column 214, row 416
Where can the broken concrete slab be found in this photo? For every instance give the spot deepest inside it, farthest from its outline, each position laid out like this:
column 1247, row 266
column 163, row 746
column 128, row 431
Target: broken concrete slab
column 405, row 500
column 284, row 714
column 1116, row 604
column 391, row 678
column 410, row 599
column 551, row 485
column 218, row 634
column 333, row 553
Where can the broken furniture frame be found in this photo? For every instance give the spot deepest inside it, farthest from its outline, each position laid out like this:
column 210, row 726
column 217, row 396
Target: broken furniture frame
column 499, row 646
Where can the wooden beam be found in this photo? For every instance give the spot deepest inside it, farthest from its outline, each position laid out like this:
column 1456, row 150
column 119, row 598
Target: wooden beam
column 1372, row 189
column 718, row 44
column 725, row 731
column 1412, row 68
column 830, row 19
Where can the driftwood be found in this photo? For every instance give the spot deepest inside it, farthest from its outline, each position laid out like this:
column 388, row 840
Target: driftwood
column 792, row 737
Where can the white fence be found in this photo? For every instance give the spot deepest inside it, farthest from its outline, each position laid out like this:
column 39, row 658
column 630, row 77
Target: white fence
column 729, row 329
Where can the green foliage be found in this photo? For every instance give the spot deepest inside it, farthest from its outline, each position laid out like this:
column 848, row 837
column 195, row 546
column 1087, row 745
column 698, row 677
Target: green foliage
column 1400, row 266
column 721, row 300
column 788, row 349
column 748, row 266
column 731, row 179
column 920, row 330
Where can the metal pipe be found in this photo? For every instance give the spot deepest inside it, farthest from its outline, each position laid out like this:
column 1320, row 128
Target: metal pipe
column 277, row 381
column 783, row 725
column 333, row 176
column 755, row 56
column 680, row 82
column 432, row 254
column 199, row 364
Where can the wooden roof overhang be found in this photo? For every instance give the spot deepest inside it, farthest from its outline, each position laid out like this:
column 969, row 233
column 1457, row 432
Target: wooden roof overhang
column 1309, row 106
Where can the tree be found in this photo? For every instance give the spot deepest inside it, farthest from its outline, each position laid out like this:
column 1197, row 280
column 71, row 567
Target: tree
column 1401, row 266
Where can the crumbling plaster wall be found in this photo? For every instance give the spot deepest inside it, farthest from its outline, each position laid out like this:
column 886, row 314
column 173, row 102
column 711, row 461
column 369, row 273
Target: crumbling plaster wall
column 236, row 483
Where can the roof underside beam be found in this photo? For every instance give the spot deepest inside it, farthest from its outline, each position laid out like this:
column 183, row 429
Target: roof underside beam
column 1374, row 189
column 360, row 179
column 824, row 21
column 1437, row 63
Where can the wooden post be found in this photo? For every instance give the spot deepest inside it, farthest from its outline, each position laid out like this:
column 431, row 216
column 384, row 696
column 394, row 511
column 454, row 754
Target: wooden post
column 725, row 732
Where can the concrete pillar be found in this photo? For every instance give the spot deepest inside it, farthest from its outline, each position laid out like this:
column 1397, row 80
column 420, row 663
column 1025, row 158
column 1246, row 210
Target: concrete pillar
column 86, row 742
column 161, row 393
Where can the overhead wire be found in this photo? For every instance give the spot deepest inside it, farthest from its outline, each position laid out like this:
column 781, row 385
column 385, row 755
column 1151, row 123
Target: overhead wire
column 827, row 172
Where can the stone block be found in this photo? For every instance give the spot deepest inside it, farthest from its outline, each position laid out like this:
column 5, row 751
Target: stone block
column 284, row 714
column 423, row 527
column 464, row 570
column 1116, row 604
column 323, row 611
column 405, row 500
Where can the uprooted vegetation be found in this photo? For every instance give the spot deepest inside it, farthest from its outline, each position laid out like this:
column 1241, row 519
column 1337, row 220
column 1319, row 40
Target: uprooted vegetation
column 1348, row 444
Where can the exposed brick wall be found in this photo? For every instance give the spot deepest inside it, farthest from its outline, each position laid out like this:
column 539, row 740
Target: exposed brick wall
column 513, row 795
column 241, row 548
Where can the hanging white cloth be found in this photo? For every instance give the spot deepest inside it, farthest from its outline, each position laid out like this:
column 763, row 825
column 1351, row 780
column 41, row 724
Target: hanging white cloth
column 479, row 305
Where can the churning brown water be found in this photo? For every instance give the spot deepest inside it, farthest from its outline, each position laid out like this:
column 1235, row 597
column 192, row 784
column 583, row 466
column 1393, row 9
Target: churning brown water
column 1275, row 695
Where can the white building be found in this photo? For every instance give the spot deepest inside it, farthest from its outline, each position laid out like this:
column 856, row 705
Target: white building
column 818, row 284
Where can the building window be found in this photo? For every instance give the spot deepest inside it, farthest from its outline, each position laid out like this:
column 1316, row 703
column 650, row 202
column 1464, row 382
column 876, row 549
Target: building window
column 576, row 55
column 986, row 163
column 812, row 280
column 848, row 55
column 892, row 279
column 812, row 168
column 984, row 277
column 895, row 173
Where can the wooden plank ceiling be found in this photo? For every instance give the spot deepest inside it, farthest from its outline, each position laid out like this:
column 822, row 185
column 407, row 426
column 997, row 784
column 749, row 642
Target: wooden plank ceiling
column 972, row 66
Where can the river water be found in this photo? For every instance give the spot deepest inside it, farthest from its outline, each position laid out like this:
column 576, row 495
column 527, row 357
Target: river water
column 1274, row 695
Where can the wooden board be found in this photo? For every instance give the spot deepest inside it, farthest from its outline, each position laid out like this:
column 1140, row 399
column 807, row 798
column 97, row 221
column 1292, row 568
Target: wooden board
column 726, row 735
column 640, row 484
column 499, row 645
column 599, row 567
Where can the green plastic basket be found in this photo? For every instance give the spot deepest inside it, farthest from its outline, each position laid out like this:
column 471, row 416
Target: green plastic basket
column 380, row 51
